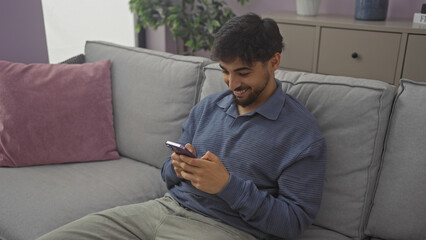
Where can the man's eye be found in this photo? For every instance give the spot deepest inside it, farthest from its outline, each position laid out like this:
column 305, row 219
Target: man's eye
column 244, row 74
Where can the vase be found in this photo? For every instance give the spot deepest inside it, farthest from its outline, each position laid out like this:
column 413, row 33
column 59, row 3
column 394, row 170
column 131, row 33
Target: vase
column 371, row 9
column 307, row 7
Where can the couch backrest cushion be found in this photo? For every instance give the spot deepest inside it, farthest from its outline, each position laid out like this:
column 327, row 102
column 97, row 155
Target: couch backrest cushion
column 399, row 210
column 214, row 80
column 353, row 115
column 153, row 93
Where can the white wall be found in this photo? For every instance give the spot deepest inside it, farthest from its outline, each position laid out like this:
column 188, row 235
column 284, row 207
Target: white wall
column 70, row 23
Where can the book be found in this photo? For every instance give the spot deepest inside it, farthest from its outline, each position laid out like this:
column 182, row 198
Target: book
column 419, row 18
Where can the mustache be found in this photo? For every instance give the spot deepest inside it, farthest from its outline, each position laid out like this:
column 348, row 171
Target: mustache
column 241, row 88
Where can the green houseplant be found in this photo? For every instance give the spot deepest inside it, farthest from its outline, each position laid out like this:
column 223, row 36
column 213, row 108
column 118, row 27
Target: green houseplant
column 193, row 21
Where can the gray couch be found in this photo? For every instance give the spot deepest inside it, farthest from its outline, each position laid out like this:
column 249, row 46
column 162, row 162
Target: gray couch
column 375, row 185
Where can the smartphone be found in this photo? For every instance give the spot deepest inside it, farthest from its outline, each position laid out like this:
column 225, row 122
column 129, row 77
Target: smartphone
column 179, row 149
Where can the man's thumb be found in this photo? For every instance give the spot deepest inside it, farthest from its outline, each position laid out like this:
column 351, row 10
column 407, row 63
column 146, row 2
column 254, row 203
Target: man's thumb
column 191, row 148
column 210, row 156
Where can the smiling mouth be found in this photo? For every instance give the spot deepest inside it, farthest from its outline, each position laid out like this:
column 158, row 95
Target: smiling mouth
column 240, row 92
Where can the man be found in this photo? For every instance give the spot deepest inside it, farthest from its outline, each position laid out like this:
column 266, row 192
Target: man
column 260, row 160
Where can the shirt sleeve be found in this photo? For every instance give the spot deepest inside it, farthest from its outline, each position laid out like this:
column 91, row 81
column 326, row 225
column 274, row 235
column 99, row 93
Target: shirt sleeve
column 294, row 209
column 167, row 171
column 169, row 175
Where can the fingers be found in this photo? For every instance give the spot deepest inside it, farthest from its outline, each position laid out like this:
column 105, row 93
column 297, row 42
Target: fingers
column 176, row 164
column 190, row 177
column 175, row 156
column 191, row 148
column 189, row 166
column 178, row 172
column 177, row 168
column 182, row 163
column 210, row 156
column 207, row 174
column 194, row 162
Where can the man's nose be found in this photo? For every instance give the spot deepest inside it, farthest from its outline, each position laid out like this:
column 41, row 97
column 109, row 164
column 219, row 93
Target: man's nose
column 233, row 82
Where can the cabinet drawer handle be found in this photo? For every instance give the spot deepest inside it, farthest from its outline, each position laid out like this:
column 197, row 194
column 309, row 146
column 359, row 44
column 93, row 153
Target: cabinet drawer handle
column 355, row 55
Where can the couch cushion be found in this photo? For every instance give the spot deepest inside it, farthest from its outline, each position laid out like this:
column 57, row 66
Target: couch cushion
column 55, row 113
column 214, row 80
column 399, row 209
column 353, row 115
column 78, row 59
column 35, row 200
column 153, row 93
column 318, row 233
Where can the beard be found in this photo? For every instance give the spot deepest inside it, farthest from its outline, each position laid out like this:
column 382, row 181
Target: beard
column 253, row 93
column 250, row 98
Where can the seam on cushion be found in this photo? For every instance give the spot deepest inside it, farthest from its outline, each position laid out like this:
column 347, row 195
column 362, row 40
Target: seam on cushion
column 207, row 67
column 200, row 81
column 199, row 64
column 198, row 85
column 203, row 81
column 412, row 82
column 331, row 230
column 147, row 51
column 382, row 158
column 368, row 201
column 335, row 84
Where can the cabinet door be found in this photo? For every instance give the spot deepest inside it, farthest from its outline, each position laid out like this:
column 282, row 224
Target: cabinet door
column 299, row 42
column 415, row 58
column 359, row 53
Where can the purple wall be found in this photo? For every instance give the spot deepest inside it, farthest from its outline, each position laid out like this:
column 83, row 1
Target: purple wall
column 22, row 37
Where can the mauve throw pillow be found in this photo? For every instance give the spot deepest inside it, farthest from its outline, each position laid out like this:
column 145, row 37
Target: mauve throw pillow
column 55, row 113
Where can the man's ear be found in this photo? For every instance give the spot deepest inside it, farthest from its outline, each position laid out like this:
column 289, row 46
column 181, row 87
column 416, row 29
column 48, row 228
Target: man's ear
column 275, row 61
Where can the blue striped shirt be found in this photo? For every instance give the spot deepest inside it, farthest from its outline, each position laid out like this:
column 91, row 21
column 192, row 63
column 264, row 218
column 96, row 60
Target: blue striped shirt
column 276, row 159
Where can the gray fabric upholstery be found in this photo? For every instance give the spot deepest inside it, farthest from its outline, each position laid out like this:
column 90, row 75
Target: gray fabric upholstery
column 318, row 233
column 353, row 114
column 36, row 200
column 399, row 210
column 153, row 93
column 214, row 80
column 78, row 59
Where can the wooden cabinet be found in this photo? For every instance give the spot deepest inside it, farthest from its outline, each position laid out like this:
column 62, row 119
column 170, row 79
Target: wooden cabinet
column 358, row 53
column 415, row 58
column 299, row 47
column 341, row 45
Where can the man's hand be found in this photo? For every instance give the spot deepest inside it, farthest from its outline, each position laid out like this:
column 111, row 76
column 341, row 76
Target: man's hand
column 176, row 159
column 207, row 174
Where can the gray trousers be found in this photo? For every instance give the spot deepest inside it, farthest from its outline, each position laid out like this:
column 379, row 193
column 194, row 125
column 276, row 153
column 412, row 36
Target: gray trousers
column 159, row 219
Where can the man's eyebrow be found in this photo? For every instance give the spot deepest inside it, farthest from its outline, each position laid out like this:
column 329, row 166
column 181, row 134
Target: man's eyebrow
column 235, row 70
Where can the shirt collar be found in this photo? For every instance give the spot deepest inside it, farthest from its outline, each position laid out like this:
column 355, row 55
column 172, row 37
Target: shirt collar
column 270, row 109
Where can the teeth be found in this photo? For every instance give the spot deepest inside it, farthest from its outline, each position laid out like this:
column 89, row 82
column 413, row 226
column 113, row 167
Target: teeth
column 240, row 91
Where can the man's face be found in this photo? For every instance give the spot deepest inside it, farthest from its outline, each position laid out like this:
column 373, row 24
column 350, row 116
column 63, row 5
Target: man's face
column 251, row 85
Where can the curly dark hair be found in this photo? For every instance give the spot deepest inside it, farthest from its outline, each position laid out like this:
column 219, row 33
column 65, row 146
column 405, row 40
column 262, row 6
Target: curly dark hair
column 248, row 37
